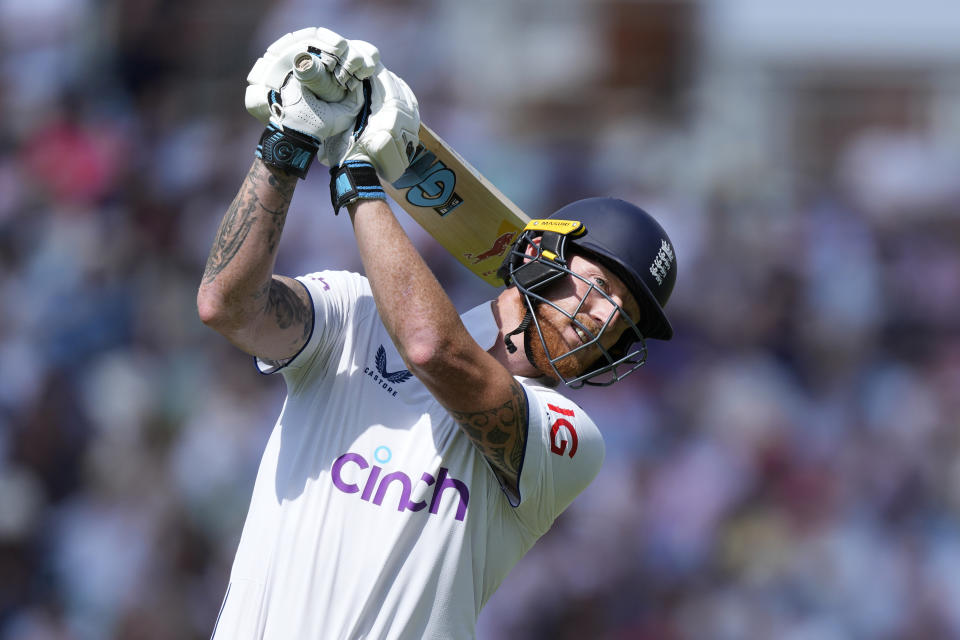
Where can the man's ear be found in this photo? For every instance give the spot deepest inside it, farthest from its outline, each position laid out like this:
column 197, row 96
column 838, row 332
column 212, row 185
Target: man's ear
column 533, row 247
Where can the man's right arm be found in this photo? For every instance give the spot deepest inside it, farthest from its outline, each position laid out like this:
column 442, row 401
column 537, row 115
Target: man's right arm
column 263, row 314
column 266, row 315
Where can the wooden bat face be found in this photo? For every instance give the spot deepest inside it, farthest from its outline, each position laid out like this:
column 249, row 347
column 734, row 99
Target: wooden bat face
column 460, row 208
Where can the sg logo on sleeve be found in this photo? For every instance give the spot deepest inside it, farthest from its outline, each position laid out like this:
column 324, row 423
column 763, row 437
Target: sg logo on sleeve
column 562, row 432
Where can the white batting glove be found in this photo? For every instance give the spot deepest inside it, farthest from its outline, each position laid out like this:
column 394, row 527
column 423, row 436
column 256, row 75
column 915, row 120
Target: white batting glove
column 297, row 108
column 307, row 88
column 388, row 137
column 346, row 62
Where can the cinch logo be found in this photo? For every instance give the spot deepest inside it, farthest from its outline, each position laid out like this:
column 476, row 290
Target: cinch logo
column 661, row 264
column 386, row 378
column 430, row 183
column 558, row 438
column 375, row 488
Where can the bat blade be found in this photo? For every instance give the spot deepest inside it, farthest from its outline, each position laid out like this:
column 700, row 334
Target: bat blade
column 456, row 205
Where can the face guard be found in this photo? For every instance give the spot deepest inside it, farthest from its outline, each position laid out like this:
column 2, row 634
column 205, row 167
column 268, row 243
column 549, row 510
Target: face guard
column 534, row 269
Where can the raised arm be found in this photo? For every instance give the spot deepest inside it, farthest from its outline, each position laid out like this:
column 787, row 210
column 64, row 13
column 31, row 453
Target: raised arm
column 479, row 392
column 265, row 315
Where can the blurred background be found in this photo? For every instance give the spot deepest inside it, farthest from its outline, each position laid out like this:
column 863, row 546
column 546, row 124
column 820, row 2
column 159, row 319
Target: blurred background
column 788, row 467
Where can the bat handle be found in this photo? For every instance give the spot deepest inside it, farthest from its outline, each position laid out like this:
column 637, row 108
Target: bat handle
column 314, row 76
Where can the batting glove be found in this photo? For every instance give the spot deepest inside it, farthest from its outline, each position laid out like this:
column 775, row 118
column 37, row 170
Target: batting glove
column 387, row 131
column 305, row 89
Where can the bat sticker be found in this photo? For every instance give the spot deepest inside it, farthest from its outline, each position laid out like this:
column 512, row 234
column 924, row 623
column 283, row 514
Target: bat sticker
column 439, row 181
column 499, row 246
column 430, row 183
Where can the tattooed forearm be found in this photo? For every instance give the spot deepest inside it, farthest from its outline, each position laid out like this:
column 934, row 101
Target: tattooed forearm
column 499, row 432
column 278, row 214
column 283, row 184
column 262, row 313
column 243, row 214
column 233, row 231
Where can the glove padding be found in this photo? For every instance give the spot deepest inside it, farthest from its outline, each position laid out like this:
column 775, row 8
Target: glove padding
column 299, row 109
column 388, row 136
column 328, row 99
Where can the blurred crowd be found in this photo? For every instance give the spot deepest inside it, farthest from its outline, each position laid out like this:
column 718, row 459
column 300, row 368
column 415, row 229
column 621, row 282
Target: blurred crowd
column 787, row 467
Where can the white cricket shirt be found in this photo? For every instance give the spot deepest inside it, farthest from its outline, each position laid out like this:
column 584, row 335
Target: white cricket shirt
column 373, row 515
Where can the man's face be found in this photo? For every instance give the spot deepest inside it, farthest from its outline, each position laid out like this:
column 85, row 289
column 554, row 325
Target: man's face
column 595, row 315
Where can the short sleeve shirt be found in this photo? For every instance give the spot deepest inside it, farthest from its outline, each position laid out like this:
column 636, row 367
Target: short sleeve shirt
column 373, row 515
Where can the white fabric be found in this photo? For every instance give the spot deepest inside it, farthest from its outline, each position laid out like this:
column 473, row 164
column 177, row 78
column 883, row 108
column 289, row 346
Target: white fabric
column 323, row 103
column 301, row 110
column 373, row 515
column 347, row 63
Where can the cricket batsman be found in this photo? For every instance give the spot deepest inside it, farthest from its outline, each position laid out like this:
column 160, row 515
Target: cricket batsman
column 420, row 453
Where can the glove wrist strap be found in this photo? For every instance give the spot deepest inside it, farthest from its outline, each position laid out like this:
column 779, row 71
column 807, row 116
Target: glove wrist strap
column 287, row 150
column 354, row 180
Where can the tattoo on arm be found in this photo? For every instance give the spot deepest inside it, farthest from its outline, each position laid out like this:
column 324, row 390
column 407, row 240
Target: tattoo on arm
column 288, row 309
column 283, row 186
column 244, row 212
column 499, row 432
column 231, row 234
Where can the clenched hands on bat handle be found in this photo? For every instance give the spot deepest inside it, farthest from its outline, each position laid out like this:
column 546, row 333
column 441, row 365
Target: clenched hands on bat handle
column 338, row 97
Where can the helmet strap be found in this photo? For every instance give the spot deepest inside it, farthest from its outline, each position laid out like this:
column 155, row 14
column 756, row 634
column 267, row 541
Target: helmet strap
column 508, row 339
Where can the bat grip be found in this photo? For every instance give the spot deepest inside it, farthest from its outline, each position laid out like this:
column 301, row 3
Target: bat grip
column 315, row 77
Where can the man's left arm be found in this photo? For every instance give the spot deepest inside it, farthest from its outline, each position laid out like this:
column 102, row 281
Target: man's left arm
column 480, row 393
column 472, row 385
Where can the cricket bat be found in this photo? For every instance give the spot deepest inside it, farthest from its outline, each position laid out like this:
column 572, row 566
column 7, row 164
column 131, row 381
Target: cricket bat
column 443, row 193
column 456, row 205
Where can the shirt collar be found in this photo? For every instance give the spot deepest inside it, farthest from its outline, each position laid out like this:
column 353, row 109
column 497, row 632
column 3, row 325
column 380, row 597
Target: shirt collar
column 481, row 325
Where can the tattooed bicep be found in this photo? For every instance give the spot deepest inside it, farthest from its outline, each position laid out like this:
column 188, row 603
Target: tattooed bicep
column 500, row 432
column 289, row 311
